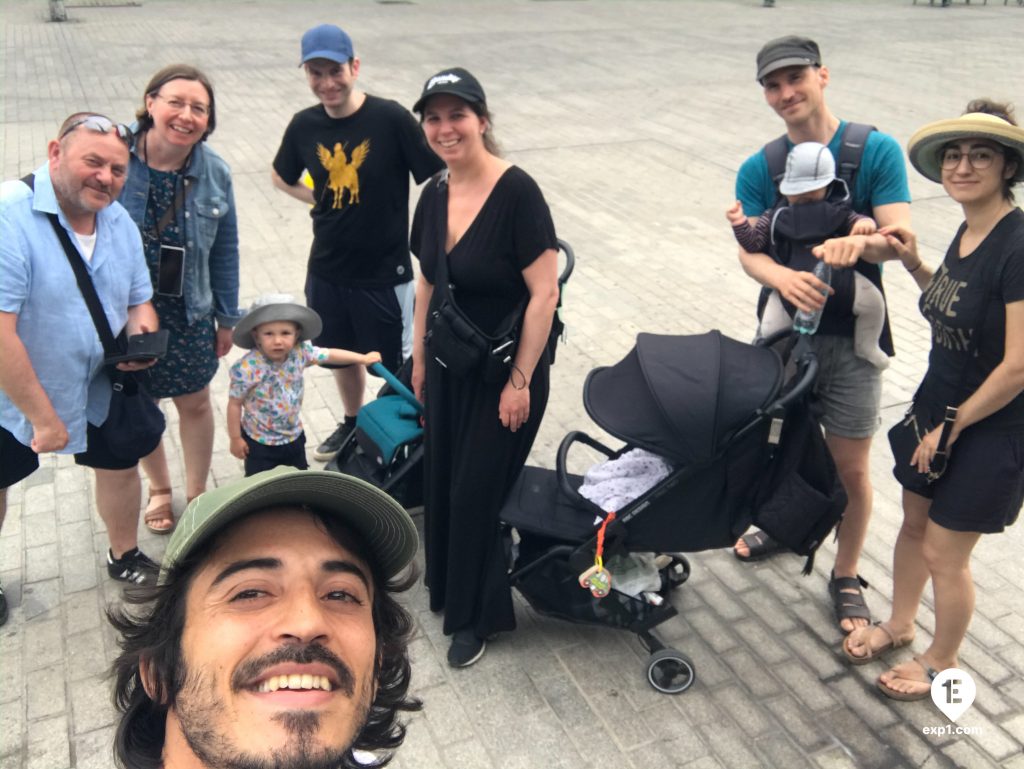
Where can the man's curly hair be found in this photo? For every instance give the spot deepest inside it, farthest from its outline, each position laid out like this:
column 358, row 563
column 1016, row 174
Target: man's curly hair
column 154, row 631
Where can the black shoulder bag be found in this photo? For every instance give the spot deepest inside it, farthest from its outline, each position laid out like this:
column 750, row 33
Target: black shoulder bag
column 454, row 340
column 134, row 423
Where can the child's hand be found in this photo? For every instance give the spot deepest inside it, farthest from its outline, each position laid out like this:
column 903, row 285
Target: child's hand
column 735, row 214
column 865, row 226
column 371, row 357
column 239, row 448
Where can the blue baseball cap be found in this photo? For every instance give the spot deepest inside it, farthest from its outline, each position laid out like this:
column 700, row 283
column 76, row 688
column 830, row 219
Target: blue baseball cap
column 326, row 42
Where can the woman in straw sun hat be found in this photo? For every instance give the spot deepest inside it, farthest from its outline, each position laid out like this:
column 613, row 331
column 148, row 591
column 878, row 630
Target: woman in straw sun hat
column 974, row 302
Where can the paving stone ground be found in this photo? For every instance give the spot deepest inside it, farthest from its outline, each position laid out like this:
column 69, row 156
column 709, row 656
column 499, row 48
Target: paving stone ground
column 633, row 117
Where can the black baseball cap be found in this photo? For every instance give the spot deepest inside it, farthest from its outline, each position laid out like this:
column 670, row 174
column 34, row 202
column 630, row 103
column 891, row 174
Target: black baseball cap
column 457, row 82
column 788, row 51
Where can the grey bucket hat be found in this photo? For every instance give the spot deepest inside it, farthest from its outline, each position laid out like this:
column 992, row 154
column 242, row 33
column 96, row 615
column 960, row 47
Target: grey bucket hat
column 272, row 307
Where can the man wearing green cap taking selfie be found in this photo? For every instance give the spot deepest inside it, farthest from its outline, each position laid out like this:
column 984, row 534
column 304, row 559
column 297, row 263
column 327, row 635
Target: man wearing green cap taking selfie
column 273, row 637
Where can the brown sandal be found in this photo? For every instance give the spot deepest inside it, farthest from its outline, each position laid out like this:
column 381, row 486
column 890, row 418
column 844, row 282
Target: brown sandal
column 893, row 642
column 895, row 694
column 159, row 519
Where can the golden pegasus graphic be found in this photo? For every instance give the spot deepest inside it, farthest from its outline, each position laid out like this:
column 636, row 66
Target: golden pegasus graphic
column 342, row 173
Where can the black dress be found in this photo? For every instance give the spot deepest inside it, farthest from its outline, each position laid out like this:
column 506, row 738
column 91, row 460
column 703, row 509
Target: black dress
column 471, row 460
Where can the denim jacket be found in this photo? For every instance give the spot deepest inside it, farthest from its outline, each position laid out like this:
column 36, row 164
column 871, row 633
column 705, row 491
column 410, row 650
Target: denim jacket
column 211, row 231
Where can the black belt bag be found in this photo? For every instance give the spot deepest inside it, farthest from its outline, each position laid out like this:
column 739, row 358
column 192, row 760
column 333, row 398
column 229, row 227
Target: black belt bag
column 462, row 348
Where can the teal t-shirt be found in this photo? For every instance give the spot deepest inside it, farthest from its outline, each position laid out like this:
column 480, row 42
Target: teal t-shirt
column 881, row 179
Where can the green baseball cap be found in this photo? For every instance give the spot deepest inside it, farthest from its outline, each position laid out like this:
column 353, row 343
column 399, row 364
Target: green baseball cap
column 382, row 524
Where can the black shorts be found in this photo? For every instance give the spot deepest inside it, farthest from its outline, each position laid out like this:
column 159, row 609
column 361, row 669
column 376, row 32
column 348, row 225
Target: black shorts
column 262, row 457
column 983, row 487
column 358, row 319
column 18, row 461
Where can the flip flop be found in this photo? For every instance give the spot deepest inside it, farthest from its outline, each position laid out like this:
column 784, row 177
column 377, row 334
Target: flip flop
column 759, row 545
column 911, row 696
column 159, row 519
column 893, row 642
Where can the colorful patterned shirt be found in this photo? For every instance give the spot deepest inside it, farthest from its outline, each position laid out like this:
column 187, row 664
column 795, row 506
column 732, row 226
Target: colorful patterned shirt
column 271, row 393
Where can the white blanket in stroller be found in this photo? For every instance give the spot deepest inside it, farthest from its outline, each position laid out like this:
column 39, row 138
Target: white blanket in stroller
column 612, row 485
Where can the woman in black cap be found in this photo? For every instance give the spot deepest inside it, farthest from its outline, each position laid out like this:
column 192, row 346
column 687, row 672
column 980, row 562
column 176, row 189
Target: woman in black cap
column 483, row 223
column 967, row 417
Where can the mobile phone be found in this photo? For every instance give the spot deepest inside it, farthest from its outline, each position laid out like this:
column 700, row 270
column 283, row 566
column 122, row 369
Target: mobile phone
column 143, row 347
column 170, row 279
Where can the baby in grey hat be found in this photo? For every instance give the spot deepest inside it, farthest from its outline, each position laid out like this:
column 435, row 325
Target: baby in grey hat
column 814, row 208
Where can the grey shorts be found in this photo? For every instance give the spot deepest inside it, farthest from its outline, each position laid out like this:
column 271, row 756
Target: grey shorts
column 848, row 392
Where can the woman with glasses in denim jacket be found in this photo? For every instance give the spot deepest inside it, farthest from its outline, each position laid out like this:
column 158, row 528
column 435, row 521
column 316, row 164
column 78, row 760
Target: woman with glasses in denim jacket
column 972, row 393
column 179, row 193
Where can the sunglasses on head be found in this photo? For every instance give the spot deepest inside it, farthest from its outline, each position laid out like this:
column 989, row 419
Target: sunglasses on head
column 102, row 125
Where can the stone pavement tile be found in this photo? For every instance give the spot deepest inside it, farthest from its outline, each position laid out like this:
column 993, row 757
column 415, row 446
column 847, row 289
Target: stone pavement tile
column 835, row 758
column 86, row 656
column 48, row 746
column 560, row 692
column 12, row 732
column 752, row 673
column 864, row 699
column 445, row 715
column 721, row 601
column 668, row 753
column 982, row 663
column 75, row 537
column 708, row 666
column 45, row 693
column 805, row 686
column 767, row 608
column 40, row 529
column 1015, row 727
column 762, row 643
column 47, row 646
column 468, row 753
column 778, row 750
column 705, row 762
column 813, row 653
column 12, row 552
column 41, row 563
column 991, row 700
column 797, row 721
column 93, row 749
column 909, row 742
column 858, row 739
column 418, row 749
column 714, row 633
column 964, row 753
column 90, row 704
column 78, row 573
column 670, row 723
column 39, row 498
column 745, row 709
column 729, row 745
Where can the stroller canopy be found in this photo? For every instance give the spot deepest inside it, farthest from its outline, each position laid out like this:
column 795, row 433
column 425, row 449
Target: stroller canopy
column 683, row 396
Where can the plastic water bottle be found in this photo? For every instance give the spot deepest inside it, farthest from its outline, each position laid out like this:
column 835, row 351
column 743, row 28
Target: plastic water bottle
column 807, row 322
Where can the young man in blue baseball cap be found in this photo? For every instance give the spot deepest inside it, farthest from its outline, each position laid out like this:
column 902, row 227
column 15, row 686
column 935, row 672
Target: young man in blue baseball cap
column 359, row 151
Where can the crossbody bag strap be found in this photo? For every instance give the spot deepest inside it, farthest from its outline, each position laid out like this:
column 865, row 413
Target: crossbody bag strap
column 85, row 285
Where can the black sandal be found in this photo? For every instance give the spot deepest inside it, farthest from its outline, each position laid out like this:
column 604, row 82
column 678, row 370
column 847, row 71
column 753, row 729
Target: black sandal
column 759, row 545
column 848, row 605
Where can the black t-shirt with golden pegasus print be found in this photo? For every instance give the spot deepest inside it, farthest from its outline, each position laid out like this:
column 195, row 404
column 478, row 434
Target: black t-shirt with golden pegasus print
column 360, row 167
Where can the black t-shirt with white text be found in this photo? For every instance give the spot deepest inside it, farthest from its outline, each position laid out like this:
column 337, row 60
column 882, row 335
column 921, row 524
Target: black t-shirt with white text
column 963, row 292
column 360, row 167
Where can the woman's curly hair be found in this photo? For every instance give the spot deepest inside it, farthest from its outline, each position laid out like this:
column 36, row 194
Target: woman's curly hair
column 153, row 634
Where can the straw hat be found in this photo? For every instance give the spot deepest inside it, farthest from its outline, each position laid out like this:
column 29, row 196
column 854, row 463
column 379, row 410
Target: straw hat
column 271, row 307
column 925, row 145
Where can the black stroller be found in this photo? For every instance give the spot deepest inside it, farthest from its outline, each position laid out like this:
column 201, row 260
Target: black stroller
column 716, row 409
column 386, row 448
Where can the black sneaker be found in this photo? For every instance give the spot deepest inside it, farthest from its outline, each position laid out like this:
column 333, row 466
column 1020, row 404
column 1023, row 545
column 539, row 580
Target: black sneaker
column 134, row 566
column 329, row 449
column 3, row 606
column 466, row 649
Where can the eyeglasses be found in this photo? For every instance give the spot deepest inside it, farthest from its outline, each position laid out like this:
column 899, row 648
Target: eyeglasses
column 102, row 125
column 199, row 110
column 979, row 158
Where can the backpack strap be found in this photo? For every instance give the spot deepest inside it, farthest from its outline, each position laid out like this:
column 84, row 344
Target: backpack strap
column 775, row 153
column 851, row 150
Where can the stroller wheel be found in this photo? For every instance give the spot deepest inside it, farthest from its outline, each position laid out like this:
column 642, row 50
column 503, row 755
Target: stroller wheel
column 670, row 672
column 676, row 572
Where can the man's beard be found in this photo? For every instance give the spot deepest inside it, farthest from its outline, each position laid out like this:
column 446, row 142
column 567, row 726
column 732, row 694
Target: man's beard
column 200, row 715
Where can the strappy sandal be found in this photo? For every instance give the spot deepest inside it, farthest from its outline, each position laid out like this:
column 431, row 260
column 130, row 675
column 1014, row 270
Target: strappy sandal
column 759, row 545
column 893, row 642
column 848, row 605
column 929, row 671
column 159, row 519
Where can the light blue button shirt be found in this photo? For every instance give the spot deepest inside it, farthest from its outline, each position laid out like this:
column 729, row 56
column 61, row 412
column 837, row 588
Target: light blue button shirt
column 38, row 285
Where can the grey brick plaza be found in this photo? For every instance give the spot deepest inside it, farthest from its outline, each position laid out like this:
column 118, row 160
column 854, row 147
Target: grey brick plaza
column 633, row 117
